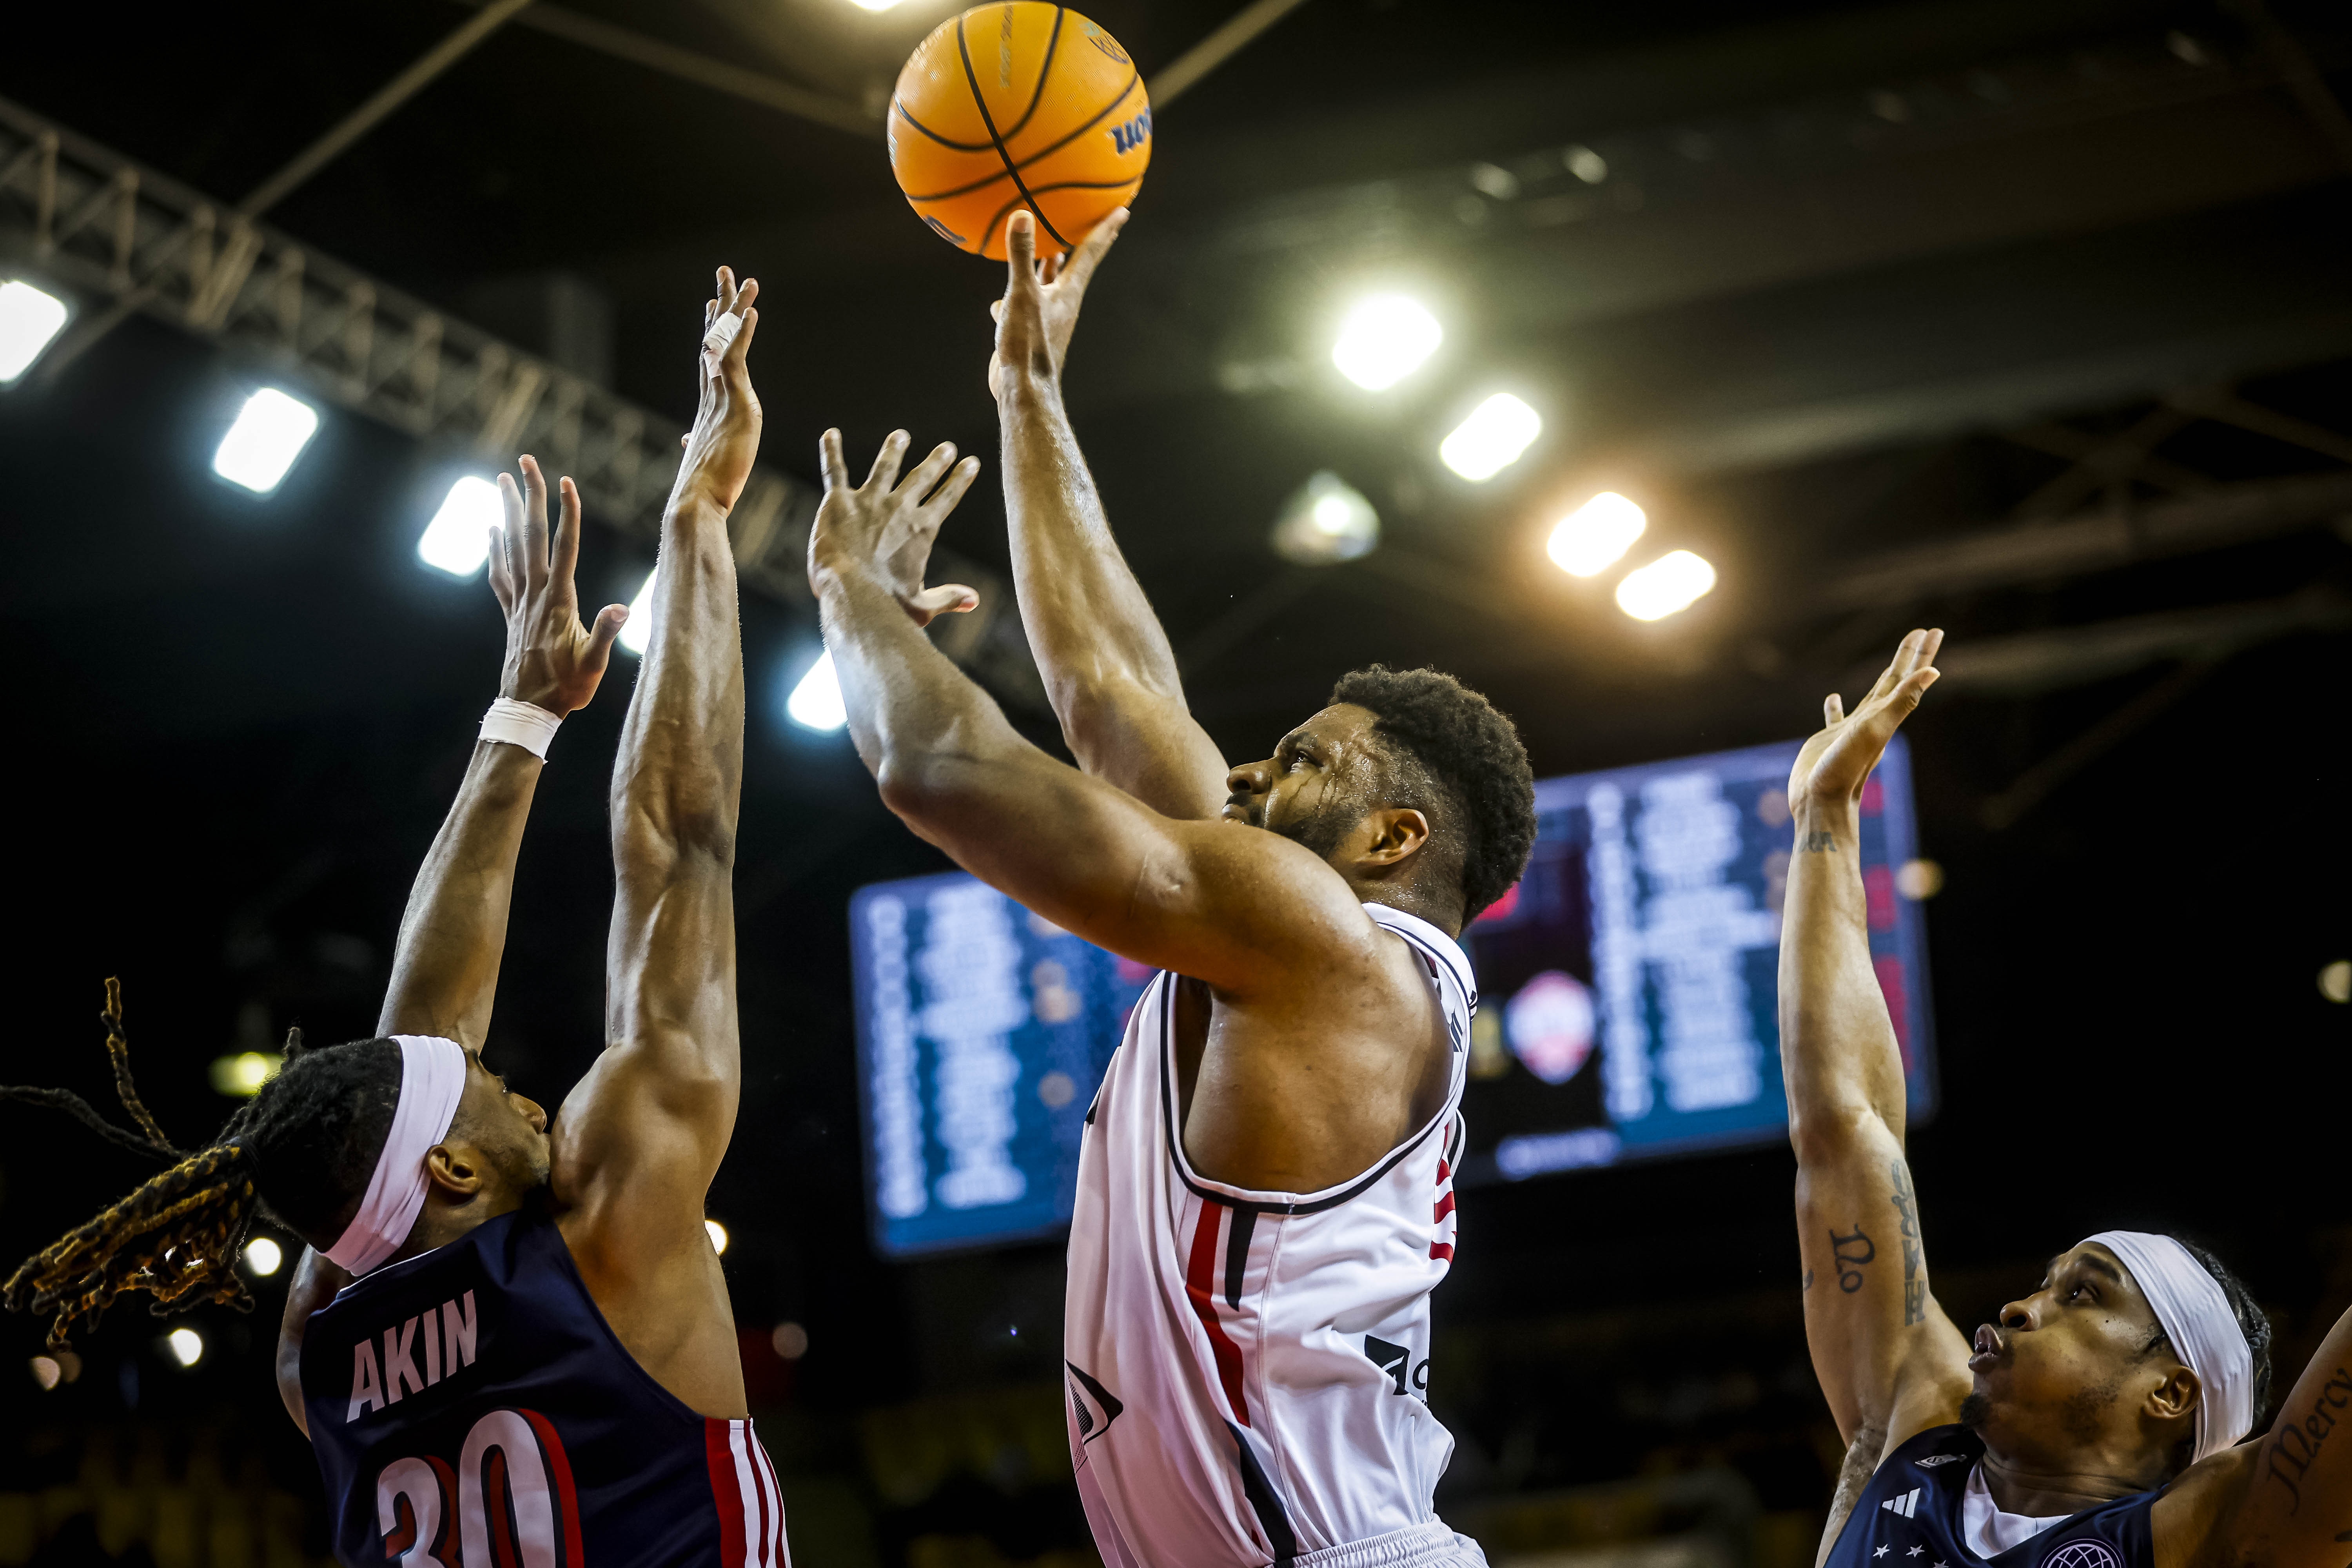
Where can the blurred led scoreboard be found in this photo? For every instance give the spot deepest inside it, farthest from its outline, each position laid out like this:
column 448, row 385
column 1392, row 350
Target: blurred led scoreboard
column 1628, row 994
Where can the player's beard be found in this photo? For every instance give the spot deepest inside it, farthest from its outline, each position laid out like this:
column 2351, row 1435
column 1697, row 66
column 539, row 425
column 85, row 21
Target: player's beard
column 1323, row 832
column 1974, row 1411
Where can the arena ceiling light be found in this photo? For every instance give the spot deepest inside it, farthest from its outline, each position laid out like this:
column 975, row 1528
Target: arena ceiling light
column 186, row 1345
column 457, row 540
column 1592, row 537
column 639, row 629
column 1672, row 581
column 873, row 4
column 1383, row 339
column 263, row 1255
column 717, row 1234
column 1326, row 521
column 28, row 320
column 270, row 432
column 1492, row 438
column 815, row 703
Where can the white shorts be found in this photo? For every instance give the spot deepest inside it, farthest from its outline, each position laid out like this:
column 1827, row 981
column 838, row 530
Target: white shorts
column 1431, row 1545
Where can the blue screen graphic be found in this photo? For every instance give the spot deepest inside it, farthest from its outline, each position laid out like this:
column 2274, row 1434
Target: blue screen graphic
column 1628, row 989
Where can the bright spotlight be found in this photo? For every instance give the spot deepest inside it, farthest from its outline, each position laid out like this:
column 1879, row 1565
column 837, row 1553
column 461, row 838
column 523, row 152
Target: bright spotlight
column 264, row 1256
column 873, row 4
column 28, row 319
column 816, row 701
column 639, row 629
column 1327, row 520
column 1492, row 438
column 241, row 1076
column 457, row 540
column 1672, row 581
column 717, row 1234
column 1590, row 539
column 269, row 434
column 187, row 1346
column 1385, row 338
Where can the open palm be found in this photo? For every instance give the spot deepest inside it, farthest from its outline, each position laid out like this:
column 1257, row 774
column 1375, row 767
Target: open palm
column 1836, row 762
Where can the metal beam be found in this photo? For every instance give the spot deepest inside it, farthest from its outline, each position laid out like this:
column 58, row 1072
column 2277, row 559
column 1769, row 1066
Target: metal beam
column 1180, row 74
column 2233, row 515
column 2076, row 656
column 720, row 76
column 108, row 228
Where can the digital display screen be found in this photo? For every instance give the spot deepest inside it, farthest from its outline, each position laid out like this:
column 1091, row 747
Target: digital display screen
column 1629, row 985
column 1628, row 988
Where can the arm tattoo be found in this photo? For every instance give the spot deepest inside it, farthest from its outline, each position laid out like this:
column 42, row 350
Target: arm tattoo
column 1861, row 1463
column 1849, row 1259
column 2294, row 1445
column 1819, row 844
column 1808, row 1281
column 1914, row 1277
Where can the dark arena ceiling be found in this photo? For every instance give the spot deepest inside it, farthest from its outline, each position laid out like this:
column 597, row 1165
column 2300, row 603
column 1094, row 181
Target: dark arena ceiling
column 2028, row 319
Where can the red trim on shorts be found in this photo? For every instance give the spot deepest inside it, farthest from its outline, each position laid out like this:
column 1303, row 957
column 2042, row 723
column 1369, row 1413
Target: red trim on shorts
column 1200, row 1284
column 725, row 1494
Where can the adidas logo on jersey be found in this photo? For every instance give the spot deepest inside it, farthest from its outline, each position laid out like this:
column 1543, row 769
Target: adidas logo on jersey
column 1907, row 1505
column 1093, row 1406
column 1932, row 1460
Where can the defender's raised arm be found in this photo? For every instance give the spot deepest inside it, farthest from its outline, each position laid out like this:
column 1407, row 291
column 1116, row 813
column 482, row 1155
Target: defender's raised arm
column 1109, row 669
column 638, row 1140
column 453, row 934
column 1889, row 1360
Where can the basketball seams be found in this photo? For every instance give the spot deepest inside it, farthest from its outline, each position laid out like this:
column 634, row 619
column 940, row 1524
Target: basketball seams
column 1035, row 158
column 1053, row 42
column 971, row 79
column 958, row 147
column 990, row 232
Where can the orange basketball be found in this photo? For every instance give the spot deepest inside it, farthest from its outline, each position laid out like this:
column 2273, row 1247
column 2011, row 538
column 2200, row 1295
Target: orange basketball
column 1014, row 105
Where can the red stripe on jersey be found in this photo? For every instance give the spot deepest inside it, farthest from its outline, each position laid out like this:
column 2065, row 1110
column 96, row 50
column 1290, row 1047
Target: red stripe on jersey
column 1444, row 1205
column 724, row 1492
column 1442, row 1250
column 559, row 1471
column 1200, row 1284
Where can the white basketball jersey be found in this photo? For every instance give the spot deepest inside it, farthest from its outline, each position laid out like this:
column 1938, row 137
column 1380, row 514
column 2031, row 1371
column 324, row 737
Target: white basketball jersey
column 1247, row 1371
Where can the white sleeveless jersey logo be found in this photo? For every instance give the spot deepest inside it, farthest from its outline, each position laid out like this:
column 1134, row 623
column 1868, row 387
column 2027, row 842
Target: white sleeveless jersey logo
column 1248, row 1373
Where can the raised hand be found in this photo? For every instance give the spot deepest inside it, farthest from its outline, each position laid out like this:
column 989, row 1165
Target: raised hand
column 1836, row 762
column 884, row 529
column 726, row 434
column 1040, row 307
column 553, row 661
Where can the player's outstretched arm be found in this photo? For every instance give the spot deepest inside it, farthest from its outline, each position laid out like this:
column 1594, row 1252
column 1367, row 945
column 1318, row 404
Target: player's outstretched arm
column 1107, row 663
column 637, row 1142
column 1889, row 1362
column 2283, row 1499
column 1242, row 911
column 445, row 966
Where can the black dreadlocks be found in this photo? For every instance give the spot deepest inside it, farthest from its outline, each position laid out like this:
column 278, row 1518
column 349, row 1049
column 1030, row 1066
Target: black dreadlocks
column 302, row 1150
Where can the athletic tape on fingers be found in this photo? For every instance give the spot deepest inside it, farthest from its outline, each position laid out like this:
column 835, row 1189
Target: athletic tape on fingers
column 718, row 340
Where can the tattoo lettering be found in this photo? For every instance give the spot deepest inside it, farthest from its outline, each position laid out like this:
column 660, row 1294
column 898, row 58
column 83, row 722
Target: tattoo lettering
column 1850, row 1263
column 2294, row 1445
column 1819, row 843
column 1914, row 1277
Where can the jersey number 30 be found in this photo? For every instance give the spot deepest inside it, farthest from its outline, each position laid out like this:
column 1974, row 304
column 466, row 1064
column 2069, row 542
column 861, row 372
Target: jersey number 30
column 509, row 1500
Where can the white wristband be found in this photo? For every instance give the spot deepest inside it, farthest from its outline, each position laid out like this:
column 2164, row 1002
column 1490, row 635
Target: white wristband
column 524, row 724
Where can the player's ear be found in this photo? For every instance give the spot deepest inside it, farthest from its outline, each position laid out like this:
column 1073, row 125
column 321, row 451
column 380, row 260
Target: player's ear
column 456, row 1171
column 1397, row 833
column 2176, row 1396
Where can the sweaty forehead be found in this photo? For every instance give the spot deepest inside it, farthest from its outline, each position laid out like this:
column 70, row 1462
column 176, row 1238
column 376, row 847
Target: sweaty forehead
column 1338, row 724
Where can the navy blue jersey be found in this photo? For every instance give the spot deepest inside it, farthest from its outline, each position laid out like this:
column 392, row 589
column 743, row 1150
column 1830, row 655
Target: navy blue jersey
column 471, row 1406
column 1909, row 1517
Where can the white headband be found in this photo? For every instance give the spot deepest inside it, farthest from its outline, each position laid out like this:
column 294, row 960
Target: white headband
column 432, row 1081
column 2196, row 1317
